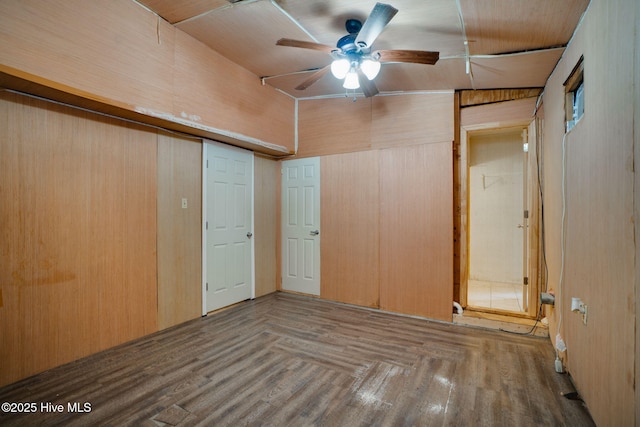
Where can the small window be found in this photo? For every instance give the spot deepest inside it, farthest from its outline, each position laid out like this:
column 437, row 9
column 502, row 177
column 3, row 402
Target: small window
column 574, row 98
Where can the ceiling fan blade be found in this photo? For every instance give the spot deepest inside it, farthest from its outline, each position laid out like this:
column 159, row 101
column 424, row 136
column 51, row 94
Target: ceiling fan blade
column 317, row 75
column 305, row 45
column 368, row 87
column 413, row 56
column 375, row 23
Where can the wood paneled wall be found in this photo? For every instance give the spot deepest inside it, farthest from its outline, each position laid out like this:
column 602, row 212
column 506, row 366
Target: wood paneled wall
column 412, row 119
column 179, row 229
column 386, row 200
column 96, row 247
column 599, row 247
column 331, row 126
column 416, row 230
column 266, row 184
column 85, row 199
column 78, row 227
column 339, row 125
column 350, row 224
column 469, row 98
column 117, row 54
column 498, row 115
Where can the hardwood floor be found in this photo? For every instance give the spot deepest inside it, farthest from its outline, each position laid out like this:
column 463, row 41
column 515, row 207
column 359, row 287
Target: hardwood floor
column 287, row 360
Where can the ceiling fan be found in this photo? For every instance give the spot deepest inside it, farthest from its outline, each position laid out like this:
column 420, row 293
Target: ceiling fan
column 353, row 59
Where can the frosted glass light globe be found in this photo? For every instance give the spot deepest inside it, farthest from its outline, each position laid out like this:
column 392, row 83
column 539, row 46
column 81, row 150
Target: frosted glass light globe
column 351, row 81
column 370, row 68
column 340, row 68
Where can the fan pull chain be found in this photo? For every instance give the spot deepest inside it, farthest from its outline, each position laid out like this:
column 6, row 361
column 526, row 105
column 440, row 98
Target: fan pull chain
column 346, row 95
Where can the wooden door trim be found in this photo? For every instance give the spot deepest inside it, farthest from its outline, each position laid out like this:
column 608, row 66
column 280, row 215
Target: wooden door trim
column 534, row 218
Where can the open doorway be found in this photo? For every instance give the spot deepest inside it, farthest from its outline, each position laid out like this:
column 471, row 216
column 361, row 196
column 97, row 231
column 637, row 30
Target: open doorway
column 497, row 220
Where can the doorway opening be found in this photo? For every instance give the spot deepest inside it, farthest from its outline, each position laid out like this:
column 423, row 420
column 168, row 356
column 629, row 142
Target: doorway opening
column 498, row 221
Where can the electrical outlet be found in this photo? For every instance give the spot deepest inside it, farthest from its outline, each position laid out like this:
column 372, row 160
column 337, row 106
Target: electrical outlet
column 184, row 203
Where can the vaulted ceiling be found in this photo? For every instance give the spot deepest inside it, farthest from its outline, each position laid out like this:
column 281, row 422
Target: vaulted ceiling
column 483, row 44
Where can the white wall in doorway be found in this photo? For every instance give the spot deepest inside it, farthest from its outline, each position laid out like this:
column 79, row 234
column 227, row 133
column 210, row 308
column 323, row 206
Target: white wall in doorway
column 496, row 207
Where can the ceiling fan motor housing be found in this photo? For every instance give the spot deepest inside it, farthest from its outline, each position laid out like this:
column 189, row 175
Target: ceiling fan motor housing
column 348, row 43
column 353, row 26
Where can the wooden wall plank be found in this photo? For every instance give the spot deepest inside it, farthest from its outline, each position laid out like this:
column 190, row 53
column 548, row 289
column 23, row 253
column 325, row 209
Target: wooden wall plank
column 416, row 230
column 78, row 226
column 412, row 119
column 469, row 98
column 498, row 115
column 135, row 291
column 211, row 91
column 331, row 126
column 179, row 230
column 266, row 173
column 350, row 204
column 117, row 50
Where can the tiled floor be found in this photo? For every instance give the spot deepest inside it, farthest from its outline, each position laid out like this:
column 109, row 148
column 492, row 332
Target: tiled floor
column 504, row 296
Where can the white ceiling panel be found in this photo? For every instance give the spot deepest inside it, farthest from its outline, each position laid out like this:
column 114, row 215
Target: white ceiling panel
column 524, row 70
column 533, row 33
column 175, row 11
column 238, row 35
column 507, row 26
column 417, row 77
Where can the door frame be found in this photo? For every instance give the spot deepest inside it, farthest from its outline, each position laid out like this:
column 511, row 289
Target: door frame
column 206, row 143
column 533, row 195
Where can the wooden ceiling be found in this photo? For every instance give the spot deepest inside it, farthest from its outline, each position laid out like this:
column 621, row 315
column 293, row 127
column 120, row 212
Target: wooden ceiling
column 483, row 44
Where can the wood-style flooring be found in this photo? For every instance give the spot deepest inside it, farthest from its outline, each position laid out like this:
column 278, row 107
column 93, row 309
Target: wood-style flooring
column 287, row 360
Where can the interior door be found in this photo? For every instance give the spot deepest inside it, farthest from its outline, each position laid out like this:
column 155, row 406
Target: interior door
column 496, row 227
column 228, row 223
column 301, row 225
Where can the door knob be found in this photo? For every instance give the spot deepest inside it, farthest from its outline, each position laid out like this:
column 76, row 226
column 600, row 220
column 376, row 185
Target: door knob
column 249, row 234
column 314, row 232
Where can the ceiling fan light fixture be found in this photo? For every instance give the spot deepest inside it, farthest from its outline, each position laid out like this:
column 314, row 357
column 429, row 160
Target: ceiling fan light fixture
column 353, row 57
column 351, row 80
column 370, row 68
column 340, row 68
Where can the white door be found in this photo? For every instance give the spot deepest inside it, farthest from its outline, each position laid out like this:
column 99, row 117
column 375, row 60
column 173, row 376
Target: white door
column 301, row 225
column 228, row 226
